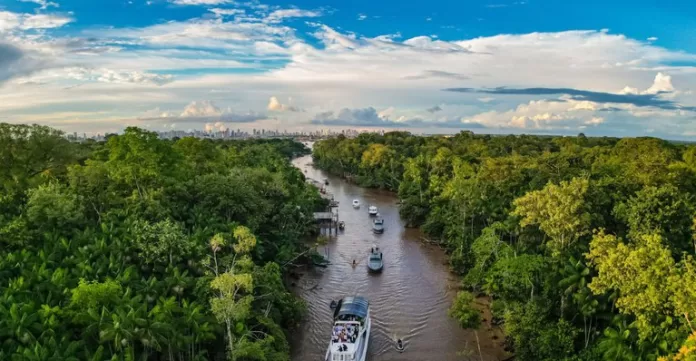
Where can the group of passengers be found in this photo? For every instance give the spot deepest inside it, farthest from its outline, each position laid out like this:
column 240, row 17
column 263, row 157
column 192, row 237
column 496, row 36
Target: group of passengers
column 348, row 333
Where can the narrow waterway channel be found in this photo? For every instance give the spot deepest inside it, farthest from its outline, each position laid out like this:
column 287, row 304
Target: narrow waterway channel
column 409, row 299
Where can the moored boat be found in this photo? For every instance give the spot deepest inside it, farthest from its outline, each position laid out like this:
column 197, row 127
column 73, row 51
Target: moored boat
column 356, row 203
column 351, row 330
column 378, row 225
column 375, row 263
column 372, row 211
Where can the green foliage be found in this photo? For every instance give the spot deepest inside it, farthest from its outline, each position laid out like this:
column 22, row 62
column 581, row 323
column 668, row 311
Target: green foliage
column 519, row 216
column 536, row 337
column 52, row 207
column 162, row 241
column 464, row 312
column 558, row 210
column 104, row 246
column 95, row 294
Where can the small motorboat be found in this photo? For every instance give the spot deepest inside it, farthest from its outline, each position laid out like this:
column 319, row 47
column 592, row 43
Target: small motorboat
column 374, row 261
column 326, row 181
column 372, row 211
column 341, row 225
column 378, row 225
column 333, row 304
column 400, row 345
column 356, row 203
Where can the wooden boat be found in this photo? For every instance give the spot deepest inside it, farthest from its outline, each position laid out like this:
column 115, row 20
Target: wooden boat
column 374, row 261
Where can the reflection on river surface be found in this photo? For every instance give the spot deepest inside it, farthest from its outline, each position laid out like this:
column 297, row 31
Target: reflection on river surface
column 408, row 300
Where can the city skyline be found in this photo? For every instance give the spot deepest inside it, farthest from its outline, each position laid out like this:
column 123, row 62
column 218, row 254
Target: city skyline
column 440, row 67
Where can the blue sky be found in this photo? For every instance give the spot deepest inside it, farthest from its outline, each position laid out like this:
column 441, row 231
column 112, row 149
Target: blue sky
column 555, row 67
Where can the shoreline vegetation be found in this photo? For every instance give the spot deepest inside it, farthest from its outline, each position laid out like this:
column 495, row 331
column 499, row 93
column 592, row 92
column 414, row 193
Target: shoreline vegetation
column 584, row 245
column 139, row 248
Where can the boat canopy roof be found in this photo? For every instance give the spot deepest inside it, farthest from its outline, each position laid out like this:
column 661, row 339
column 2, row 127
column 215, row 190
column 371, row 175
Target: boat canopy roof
column 353, row 306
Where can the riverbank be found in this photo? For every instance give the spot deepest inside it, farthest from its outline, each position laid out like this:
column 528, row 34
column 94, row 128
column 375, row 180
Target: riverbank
column 409, row 300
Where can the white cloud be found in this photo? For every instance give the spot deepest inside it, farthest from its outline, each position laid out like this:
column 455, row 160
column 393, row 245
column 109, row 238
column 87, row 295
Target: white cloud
column 201, row 2
column 486, row 99
column 204, row 108
column 10, row 21
column 362, row 17
column 115, row 76
column 275, row 105
column 652, row 38
column 595, row 121
column 662, row 83
column 226, row 12
column 217, row 126
column 279, row 15
column 198, row 112
column 44, row 3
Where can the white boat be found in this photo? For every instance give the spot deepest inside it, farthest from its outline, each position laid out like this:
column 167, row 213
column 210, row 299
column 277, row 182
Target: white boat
column 351, row 330
column 356, row 203
column 372, row 211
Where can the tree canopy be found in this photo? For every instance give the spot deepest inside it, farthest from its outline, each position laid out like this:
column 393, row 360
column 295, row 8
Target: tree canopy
column 584, row 245
column 148, row 249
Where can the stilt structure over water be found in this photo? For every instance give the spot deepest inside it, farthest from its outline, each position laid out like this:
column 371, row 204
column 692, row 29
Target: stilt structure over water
column 329, row 219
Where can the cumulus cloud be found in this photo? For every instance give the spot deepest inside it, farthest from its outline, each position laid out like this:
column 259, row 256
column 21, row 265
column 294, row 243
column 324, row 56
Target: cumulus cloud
column 204, row 108
column 541, row 114
column 217, row 126
column 203, row 111
column 275, row 105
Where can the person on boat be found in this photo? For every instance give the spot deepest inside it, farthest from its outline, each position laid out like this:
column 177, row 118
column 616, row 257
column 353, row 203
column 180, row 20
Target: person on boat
column 354, row 263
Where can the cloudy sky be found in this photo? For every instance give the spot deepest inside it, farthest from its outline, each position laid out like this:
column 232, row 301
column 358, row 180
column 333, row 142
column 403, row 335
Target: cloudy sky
column 609, row 67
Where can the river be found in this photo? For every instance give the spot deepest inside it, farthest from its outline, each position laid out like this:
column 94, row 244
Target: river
column 408, row 300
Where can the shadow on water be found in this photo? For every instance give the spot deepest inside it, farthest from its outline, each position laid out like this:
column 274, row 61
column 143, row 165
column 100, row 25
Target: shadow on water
column 408, row 300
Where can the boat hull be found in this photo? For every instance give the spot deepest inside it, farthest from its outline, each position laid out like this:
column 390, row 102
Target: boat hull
column 375, row 267
column 378, row 230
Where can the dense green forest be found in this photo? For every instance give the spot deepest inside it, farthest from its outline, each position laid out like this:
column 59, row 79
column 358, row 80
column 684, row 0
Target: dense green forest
column 585, row 245
column 139, row 248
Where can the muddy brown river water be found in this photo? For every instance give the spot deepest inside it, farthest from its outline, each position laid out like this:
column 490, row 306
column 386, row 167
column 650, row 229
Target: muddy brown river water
column 408, row 300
